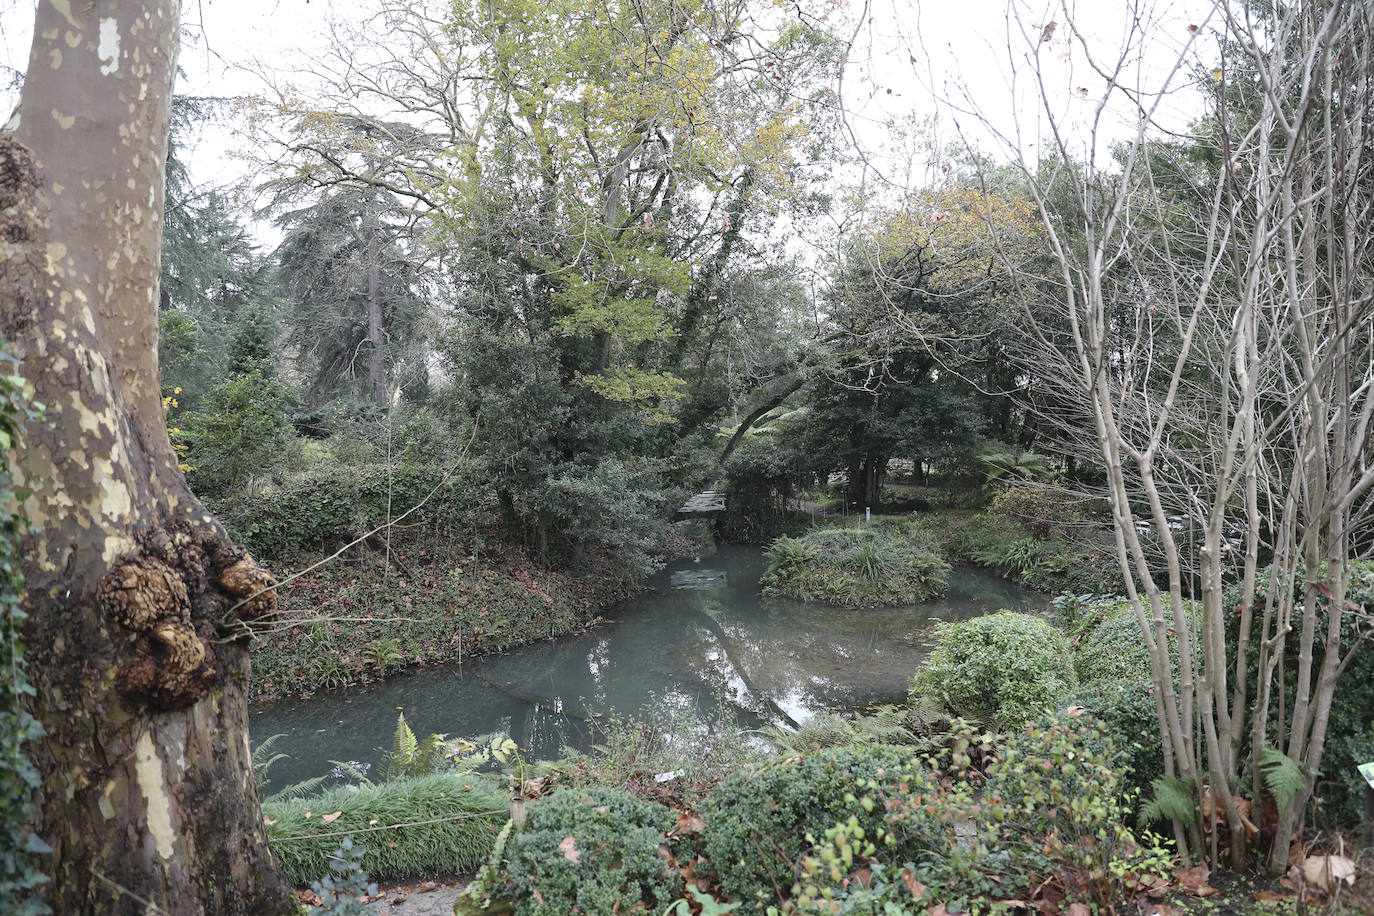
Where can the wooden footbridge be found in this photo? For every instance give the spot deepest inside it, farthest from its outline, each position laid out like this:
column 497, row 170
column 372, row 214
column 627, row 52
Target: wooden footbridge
column 707, row 502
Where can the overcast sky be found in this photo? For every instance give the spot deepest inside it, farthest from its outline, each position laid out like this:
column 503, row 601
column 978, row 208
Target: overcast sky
column 910, row 58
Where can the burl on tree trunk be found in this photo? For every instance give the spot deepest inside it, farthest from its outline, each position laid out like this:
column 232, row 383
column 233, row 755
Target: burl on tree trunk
column 139, row 604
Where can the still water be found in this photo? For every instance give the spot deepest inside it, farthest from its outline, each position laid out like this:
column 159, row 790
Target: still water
column 701, row 637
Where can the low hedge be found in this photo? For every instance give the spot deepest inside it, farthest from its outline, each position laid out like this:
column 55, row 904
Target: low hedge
column 414, row 826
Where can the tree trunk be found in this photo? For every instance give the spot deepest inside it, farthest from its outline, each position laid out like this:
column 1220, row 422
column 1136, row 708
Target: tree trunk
column 138, row 602
column 376, row 360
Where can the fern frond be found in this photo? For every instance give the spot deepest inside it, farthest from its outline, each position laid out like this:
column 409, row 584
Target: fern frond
column 403, row 748
column 297, row 789
column 1171, row 799
column 1283, row 776
column 263, row 758
column 349, row 769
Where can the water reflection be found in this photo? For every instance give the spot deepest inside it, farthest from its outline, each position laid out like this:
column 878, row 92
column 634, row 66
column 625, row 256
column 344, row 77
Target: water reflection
column 702, row 632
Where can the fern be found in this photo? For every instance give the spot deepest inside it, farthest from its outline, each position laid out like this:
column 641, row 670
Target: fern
column 403, row 748
column 1283, row 776
column 348, row 769
column 297, row 789
column 1172, row 799
column 263, row 758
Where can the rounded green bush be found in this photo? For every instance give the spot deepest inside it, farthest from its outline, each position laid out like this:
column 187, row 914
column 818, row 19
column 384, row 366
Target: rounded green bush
column 758, row 821
column 592, row 850
column 1004, row 668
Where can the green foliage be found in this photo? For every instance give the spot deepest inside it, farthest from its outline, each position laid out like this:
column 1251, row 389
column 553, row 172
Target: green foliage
column 697, row 749
column 592, row 850
column 1350, row 729
column 241, row 430
column 1170, row 798
column 1283, row 776
column 1055, row 795
column 440, row 823
column 346, row 882
column 909, row 725
column 412, row 757
column 20, row 875
column 1049, row 808
column 759, row 821
column 1051, row 564
column 1004, row 668
column 891, row 561
column 1015, row 467
column 333, row 503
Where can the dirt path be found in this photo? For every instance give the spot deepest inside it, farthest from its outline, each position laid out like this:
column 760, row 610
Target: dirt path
column 427, row 898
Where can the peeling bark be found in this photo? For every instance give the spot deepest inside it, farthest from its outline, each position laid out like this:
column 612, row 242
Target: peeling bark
column 139, row 603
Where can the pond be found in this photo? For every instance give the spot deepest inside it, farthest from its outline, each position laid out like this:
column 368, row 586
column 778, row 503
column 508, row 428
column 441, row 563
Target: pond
column 700, row 637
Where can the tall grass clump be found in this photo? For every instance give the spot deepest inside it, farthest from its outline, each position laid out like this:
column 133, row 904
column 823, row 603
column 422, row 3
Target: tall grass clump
column 891, row 561
column 446, row 823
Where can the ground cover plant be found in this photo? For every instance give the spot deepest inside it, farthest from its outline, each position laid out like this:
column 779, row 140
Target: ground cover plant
column 434, row 824
column 1077, row 563
column 890, row 561
column 430, row 597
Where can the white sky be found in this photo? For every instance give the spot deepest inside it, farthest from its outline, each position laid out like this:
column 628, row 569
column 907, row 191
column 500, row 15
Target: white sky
column 910, row 58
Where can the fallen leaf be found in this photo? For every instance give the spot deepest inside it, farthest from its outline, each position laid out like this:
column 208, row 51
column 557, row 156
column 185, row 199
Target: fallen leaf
column 428, row 886
column 569, row 849
column 372, row 823
column 267, row 820
column 1194, row 881
column 538, row 897
column 331, row 818
column 1079, row 909
column 918, row 890
column 1325, row 872
column 687, row 822
column 398, row 899
column 1272, row 897
column 937, row 911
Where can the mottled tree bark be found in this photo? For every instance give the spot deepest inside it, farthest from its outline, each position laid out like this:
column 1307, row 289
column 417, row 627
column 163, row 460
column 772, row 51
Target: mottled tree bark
column 139, row 604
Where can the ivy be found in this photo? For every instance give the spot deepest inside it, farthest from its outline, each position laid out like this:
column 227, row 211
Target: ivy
column 20, row 876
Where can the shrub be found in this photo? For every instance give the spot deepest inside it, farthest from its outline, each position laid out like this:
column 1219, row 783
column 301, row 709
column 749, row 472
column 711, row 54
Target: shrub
column 1051, row 564
column 241, row 429
column 1350, row 729
column 1004, row 668
column 453, row 822
column 1048, row 812
column 592, row 850
column 1115, row 685
column 892, row 561
column 332, row 504
column 758, row 822
column 1055, row 800
column 1043, row 509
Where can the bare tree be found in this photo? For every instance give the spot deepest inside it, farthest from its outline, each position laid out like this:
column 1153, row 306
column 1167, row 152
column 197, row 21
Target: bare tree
column 138, row 602
column 1213, row 317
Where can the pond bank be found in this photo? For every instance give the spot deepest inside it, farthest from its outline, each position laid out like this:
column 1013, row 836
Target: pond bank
column 424, row 599
column 700, row 641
